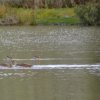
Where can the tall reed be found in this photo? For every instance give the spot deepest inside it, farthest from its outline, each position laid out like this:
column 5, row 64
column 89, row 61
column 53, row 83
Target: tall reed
column 18, row 15
column 2, row 10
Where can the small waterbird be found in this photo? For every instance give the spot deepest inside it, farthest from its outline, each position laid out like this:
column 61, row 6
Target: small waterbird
column 5, row 65
column 36, row 57
column 21, row 65
column 8, row 58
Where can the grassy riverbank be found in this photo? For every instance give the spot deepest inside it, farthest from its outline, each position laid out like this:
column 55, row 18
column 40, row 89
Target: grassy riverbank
column 56, row 16
column 23, row 16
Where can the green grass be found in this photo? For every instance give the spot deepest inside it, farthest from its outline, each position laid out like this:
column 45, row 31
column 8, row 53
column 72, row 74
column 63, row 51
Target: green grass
column 56, row 16
column 59, row 20
column 54, row 13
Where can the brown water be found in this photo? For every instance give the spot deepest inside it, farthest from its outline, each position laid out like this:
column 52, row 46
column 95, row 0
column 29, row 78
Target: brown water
column 69, row 68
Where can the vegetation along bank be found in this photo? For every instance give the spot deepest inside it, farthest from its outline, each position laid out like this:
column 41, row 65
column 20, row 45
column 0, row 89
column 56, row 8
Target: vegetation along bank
column 85, row 13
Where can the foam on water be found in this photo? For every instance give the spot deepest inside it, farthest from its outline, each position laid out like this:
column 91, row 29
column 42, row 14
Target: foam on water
column 86, row 66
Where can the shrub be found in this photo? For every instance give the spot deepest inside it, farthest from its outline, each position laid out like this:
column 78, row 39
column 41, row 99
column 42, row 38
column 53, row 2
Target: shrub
column 89, row 13
column 25, row 16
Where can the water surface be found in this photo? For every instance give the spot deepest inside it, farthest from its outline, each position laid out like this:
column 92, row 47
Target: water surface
column 69, row 66
column 55, row 44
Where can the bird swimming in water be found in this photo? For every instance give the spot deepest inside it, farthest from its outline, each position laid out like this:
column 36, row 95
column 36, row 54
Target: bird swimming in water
column 36, row 57
column 5, row 65
column 21, row 65
column 8, row 58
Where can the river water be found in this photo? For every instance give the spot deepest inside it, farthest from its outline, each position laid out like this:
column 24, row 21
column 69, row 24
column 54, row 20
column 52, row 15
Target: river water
column 68, row 69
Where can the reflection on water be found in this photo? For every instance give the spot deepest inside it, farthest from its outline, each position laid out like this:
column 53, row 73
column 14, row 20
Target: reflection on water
column 68, row 69
column 50, row 84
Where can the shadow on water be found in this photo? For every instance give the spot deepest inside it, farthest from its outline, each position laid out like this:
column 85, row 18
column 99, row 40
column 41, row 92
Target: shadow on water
column 68, row 69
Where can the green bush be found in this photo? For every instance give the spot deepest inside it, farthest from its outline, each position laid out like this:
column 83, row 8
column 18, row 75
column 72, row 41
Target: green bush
column 89, row 13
